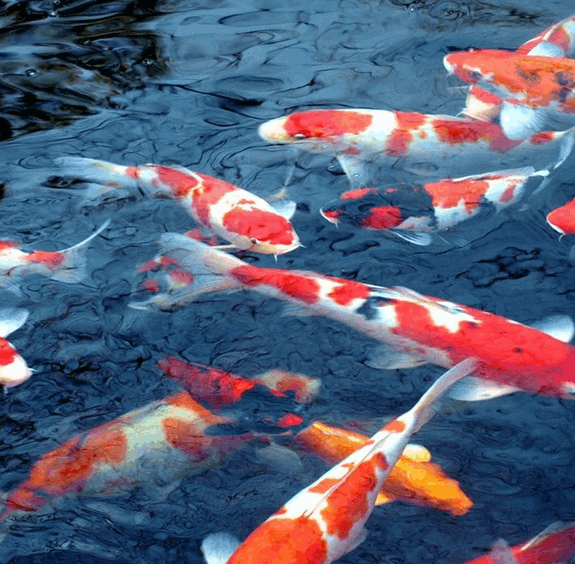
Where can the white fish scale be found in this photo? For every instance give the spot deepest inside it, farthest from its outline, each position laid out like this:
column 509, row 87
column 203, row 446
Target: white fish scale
column 382, row 124
column 240, row 199
column 16, row 372
column 497, row 188
column 450, row 320
column 447, row 217
column 11, row 257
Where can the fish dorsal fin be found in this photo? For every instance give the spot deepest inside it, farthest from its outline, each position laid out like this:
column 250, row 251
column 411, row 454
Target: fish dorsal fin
column 355, row 170
column 416, row 238
column 552, row 529
column 561, row 327
column 546, row 49
column 519, row 122
column 501, row 553
column 12, row 319
column 478, row 389
column 217, row 548
column 385, row 357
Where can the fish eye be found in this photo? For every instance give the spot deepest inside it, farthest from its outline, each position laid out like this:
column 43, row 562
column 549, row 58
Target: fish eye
column 299, row 136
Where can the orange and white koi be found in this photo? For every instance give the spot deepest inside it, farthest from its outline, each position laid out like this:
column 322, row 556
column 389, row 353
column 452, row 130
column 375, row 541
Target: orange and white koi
column 554, row 545
column 243, row 219
column 363, row 140
column 414, row 211
column 414, row 479
column 326, row 520
column 562, row 219
column 557, row 40
column 415, row 329
column 13, row 368
column 68, row 265
column 534, row 89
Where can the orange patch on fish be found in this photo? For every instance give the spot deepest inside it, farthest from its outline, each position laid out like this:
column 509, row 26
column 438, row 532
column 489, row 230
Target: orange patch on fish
column 184, row 436
column 450, row 193
column 180, row 183
column 395, row 426
column 358, row 193
column 402, row 135
column 50, row 259
column 258, row 224
column 382, row 217
column 326, row 123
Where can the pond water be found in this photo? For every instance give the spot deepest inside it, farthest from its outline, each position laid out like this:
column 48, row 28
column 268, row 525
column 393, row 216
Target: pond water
column 187, row 83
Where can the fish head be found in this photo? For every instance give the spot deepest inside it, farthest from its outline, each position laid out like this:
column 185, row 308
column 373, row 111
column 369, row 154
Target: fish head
column 315, row 127
column 562, row 219
column 13, row 368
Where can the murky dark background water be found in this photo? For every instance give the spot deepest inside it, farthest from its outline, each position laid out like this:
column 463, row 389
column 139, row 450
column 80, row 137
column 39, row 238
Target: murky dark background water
column 187, row 83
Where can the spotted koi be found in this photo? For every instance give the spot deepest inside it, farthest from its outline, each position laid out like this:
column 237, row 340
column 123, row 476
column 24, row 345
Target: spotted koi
column 326, row 520
column 243, row 219
column 13, row 368
column 562, row 219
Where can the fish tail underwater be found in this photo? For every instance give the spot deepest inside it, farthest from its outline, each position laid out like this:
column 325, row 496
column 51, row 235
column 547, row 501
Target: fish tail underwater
column 355, row 211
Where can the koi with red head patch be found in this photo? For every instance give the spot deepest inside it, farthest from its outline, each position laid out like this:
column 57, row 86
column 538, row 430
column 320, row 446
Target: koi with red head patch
column 562, row 219
column 554, row 545
column 555, row 41
column 413, row 211
column 416, row 329
column 368, row 142
column 414, row 479
column 326, row 520
column 534, row 89
column 13, row 368
column 68, row 265
column 243, row 219
column 158, row 443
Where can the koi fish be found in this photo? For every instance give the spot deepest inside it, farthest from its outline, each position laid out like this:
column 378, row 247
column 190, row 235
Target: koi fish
column 369, row 142
column 412, row 212
column 326, row 520
column 68, row 265
column 562, row 219
column 13, row 368
column 243, row 219
column 414, row 329
column 555, row 41
column 534, row 89
column 414, row 479
column 554, row 545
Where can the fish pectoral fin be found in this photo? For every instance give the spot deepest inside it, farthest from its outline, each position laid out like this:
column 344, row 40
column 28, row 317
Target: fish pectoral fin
column 356, row 170
column 12, row 319
column 422, row 239
column 547, row 49
column 501, row 553
column 282, row 204
column 382, row 499
column 553, row 529
column 472, row 388
column 560, row 327
column 519, row 122
column 384, row 357
column 217, row 548
column 416, row 453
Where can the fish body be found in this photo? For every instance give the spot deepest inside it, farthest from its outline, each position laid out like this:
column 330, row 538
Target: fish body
column 414, row 479
column 243, row 219
column 68, row 265
column 158, row 443
column 429, row 207
column 555, row 545
column 13, row 368
column 416, row 329
column 534, row 88
column 326, row 520
column 562, row 219
column 557, row 40
column 368, row 142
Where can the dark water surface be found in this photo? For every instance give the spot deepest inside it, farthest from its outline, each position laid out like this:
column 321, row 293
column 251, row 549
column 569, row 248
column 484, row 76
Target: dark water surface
column 187, row 83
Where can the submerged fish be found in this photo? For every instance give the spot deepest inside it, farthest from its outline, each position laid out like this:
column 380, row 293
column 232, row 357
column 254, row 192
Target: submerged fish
column 562, row 219
column 534, row 89
column 368, row 142
column 13, row 368
column 415, row 329
column 413, row 211
column 68, row 265
column 414, row 479
column 557, row 40
column 326, row 520
column 243, row 219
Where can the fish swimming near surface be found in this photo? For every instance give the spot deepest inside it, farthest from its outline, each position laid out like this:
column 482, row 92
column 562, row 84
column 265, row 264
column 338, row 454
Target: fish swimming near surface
column 243, row 219
column 413, row 328
column 557, row 40
column 68, row 265
column 536, row 90
column 13, row 368
column 368, row 143
column 414, row 478
column 326, row 520
column 554, row 545
column 562, row 219
column 413, row 212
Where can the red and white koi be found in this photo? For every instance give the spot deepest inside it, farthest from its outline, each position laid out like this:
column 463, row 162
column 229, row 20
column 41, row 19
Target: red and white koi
column 554, row 545
column 534, row 89
column 555, row 41
column 243, row 219
column 68, row 265
column 414, row 211
column 416, row 329
column 326, row 520
column 13, row 368
column 368, row 142
column 562, row 219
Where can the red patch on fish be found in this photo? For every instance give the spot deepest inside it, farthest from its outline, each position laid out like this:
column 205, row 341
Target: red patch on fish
column 210, row 193
column 7, row 353
column 299, row 287
column 395, row 426
column 563, row 219
column 326, row 123
column 542, row 137
column 449, row 193
column 344, row 294
column 183, row 435
column 402, row 135
column 382, row 217
column 50, row 259
column 181, row 277
column 289, row 420
column 8, row 245
column 151, row 286
column 358, row 193
column 560, row 38
column 178, row 181
column 259, row 225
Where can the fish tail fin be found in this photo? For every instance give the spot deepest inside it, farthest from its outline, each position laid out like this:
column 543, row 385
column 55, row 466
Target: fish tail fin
column 73, row 267
column 217, row 548
column 430, row 403
column 188, row 269
column 12, row 319
column 565, row 148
